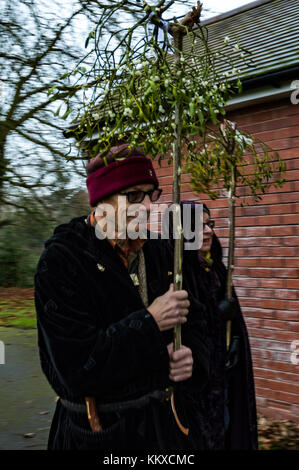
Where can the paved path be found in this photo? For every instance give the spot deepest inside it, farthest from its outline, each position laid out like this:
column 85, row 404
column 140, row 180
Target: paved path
column 27, row 401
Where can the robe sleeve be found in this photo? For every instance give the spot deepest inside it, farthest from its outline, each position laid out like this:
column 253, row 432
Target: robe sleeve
column 86, row 358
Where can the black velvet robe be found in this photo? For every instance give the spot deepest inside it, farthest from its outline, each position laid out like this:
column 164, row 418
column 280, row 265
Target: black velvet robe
column 208, row 289
column 96, row 338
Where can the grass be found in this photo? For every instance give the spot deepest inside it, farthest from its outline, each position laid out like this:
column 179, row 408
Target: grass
column 17, row 308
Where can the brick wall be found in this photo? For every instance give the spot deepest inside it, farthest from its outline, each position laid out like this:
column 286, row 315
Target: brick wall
column 267, row 258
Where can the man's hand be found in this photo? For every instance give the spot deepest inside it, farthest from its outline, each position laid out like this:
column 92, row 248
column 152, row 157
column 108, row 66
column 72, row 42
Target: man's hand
column 181, row 363
column 170, row 309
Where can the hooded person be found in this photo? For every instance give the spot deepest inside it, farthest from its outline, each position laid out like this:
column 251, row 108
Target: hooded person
column 105, row 315
column 226, row 407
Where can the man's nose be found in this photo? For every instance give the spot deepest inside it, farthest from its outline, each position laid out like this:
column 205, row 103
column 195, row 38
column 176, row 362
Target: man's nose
column 147, row 202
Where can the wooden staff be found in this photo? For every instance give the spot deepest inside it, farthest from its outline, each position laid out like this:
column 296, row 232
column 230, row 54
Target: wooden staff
column 178, row 30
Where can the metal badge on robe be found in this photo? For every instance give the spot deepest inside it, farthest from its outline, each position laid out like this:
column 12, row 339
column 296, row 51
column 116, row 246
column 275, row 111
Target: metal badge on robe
column 135, row 279
column 100, row 267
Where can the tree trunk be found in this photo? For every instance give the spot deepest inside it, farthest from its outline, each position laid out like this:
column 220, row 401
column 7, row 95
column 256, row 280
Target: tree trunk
column 231, row 248
column 3, row 137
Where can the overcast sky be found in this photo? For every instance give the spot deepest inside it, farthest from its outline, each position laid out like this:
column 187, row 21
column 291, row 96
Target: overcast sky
column 220, row 6
column 215, row 7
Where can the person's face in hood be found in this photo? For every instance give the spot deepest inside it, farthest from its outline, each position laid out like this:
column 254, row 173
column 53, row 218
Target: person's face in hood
column 208, row 226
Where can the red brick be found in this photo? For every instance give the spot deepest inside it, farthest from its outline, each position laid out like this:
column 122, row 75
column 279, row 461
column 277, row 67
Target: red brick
column 163, row 171
column 273, row 124
column 282, row 230
column 294, row 326
column 168, row 180
column 292, row 262
column 262, row 343
column 269, row 313
column 275, row 365
column 277, row 283
column 272, row 198
column 292, row 283
column 246, row 282
column 287, row 314
column 277, row 385
column 276, row 375
column 270, row 354
column 267, row 272
column 258, row 312
column 283, row 133
column 295, row 412
column 292, row 164
column 280, row 304
column 275, row 303
column 290, row 294
column 261, row 113
column 291, row 208
column 253, row 322
column 221, row 232
column 293, row 305
column 250, row 169
column 289, row 153
column 252, row 232
column 277, row 413
column 290, row 218
column 275, row 324
column 267, row 262
column 275, row 335
column 253, row 221
column 246, row 262
column 249, row 303
column 277, row 395
column 280, row 415
column 252, row 210
column 264, row 241
column 280, row 144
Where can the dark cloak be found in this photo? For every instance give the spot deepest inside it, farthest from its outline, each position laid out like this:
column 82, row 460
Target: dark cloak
column 226, row 406
column 96, row 338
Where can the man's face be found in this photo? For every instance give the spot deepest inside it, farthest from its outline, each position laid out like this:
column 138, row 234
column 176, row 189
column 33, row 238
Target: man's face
column 207, row 235
column 125, row 211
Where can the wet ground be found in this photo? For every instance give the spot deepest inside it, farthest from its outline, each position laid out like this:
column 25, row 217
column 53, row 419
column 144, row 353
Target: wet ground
column 27, row 402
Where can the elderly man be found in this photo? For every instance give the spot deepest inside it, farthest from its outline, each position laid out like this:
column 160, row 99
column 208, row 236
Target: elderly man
column 105, row 314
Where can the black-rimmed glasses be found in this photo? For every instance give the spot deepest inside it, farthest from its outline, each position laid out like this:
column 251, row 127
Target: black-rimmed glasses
column 210, row 224
column 135, row 197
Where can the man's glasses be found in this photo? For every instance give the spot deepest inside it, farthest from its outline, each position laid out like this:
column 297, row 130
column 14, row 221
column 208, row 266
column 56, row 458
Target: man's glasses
column 135, row 197
column 210, row 224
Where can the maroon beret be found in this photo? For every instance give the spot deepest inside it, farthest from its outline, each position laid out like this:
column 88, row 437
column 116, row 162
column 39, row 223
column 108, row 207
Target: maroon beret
column 107, row 178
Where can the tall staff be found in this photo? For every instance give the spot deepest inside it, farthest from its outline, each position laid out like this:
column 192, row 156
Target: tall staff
column 178, row 31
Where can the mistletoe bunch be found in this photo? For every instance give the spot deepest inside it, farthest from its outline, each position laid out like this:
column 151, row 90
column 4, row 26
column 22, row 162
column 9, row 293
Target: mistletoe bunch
column 135, row 85
column 229, row 151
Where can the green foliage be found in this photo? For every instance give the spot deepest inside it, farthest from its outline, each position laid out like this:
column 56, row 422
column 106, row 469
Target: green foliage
column 227, row 150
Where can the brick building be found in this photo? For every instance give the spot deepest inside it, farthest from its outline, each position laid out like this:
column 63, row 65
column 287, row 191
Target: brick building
column 267, row 232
